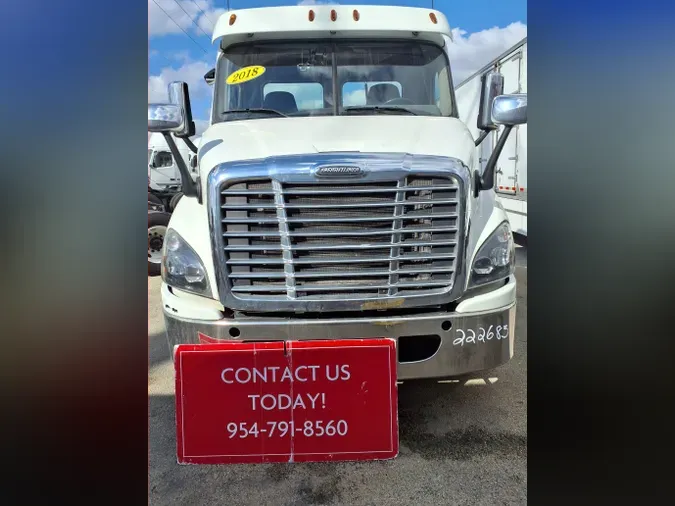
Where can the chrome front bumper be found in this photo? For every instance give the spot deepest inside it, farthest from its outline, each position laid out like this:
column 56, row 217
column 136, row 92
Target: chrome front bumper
column 472, row 342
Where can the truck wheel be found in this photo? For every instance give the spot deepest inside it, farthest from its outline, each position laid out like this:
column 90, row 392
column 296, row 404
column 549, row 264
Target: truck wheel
column 157, row 225
column 155, row 203
column 174, row 201
column 154, row 199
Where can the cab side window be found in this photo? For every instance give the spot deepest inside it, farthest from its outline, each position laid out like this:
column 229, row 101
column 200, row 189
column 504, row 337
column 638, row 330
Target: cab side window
column 163, row 159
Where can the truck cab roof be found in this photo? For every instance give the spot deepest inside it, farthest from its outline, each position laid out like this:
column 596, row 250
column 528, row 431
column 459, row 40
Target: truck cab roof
column 322, row 21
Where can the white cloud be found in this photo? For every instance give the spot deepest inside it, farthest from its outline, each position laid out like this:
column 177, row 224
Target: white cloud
column 208, row 21
column 356, row 97
column 191, row 72
column 471, row 52
column 202, row 12
column 182, row 56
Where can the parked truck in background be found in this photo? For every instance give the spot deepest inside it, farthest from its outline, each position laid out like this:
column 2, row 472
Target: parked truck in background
column 164, row 190
column 338, row 193
column 511, row 172
column 164, row 178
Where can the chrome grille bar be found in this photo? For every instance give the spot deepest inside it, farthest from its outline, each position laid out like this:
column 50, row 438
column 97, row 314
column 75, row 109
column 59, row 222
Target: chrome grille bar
column 343, row 206
column 328, row 260
column 393, row 246
column 332, row 288
column 285, row 243
column 342, row 233
column 345, row 274
column 341, row 220
column 396, row 238
column 319, row 191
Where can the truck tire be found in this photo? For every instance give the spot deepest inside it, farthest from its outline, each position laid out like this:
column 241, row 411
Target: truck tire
column 155, row 203
column 157, row 226
column 174, row 201
column 154, row 199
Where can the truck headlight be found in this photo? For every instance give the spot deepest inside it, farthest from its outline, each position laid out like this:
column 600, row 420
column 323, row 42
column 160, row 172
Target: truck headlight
column 496, row 258
column 182, row 267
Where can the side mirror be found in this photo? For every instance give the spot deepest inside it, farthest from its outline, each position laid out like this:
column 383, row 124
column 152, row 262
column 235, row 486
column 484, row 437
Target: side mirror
column 492, row 86
column 510, row 109
column 507, row 110
column 174, row 117
column 210, row 77
column 164, row 118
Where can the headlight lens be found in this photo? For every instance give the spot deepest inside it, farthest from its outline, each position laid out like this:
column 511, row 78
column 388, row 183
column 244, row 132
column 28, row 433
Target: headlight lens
column 182, row 267
column 496, row 258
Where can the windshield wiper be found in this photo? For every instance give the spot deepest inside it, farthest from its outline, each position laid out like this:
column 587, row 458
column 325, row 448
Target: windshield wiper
column 380, row 109
column 256, row 110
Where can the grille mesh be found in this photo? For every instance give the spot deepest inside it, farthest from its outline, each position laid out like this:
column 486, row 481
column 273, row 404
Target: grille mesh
column 355, row 241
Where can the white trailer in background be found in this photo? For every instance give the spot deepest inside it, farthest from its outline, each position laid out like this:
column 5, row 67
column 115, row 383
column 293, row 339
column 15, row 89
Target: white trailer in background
column 511, row 171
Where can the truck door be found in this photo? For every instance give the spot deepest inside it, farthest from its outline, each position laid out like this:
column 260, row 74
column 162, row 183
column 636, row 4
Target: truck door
column 164, row 171
column 506, row 171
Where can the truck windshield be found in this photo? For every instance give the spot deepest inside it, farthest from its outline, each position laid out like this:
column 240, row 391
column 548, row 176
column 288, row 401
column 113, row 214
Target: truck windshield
column 270, row 80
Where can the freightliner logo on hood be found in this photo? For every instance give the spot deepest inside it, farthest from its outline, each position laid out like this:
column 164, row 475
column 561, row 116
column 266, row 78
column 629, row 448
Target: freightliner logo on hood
column 339, row 171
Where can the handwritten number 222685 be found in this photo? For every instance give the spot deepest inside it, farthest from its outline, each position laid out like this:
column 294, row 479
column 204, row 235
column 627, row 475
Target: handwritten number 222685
column 470, row 337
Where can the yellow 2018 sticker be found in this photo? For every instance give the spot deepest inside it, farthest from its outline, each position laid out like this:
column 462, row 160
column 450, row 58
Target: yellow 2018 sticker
column 245, row 74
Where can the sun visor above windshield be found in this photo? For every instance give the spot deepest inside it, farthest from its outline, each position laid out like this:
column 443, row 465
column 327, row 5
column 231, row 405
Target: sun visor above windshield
column 320, row 21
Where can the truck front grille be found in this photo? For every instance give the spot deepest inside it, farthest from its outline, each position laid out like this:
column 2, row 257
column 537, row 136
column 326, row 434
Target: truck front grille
column 341, row 241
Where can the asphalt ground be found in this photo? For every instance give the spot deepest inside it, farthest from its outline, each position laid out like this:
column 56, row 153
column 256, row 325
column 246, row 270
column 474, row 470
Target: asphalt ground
column 462, row 442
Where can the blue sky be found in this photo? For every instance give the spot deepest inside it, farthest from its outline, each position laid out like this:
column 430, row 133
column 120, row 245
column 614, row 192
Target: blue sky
column 179, row 42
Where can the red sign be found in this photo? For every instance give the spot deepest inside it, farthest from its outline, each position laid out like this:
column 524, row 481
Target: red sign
column 293, row 401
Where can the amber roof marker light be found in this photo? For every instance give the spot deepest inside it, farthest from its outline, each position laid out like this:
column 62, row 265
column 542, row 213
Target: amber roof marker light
column 355, row 15
column 432, row 17
column 233, row 18
column 310, row 16
column 333, row 15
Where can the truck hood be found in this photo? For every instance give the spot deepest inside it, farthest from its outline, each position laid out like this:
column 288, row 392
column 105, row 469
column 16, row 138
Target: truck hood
column 263, row 138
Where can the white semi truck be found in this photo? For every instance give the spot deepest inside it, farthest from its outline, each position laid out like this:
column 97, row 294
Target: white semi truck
column 163, row 172
column 511, row 171
column 339, row 195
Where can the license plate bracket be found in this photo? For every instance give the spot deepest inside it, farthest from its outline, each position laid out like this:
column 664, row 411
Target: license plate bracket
column 286, row 401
